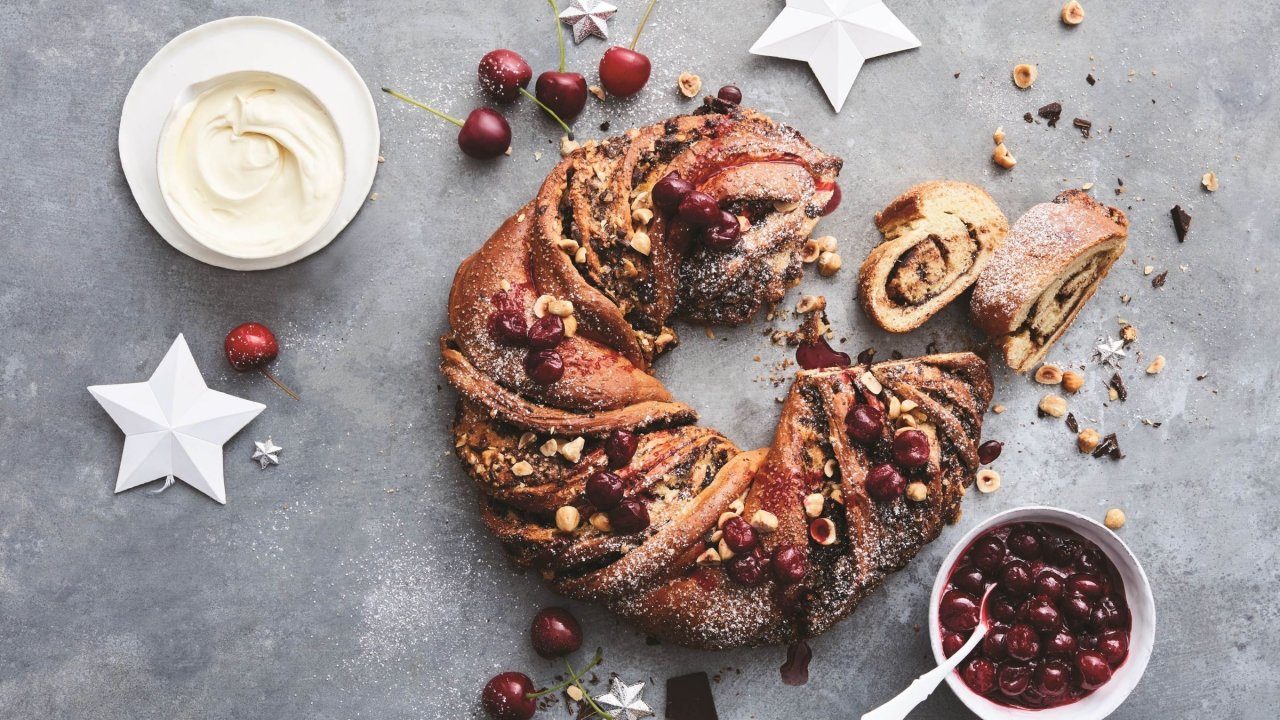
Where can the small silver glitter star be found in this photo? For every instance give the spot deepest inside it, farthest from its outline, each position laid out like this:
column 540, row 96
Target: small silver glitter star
column 1110, row 352
column 588, row 17
column 266, row 453
column 623, row 700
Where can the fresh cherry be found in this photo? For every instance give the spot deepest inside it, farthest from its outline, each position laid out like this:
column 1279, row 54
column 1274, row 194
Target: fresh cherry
column 818, row 354
column 1014, row 679
column 555, row 632
column 630, row 516
column 1113, row 645
column 508, row 328
column 564, row 92
column 699, row 209
column 864, row 423
column 958, row 611
column 989, row 451
column 789, row 564
column 911, row 448
column 544, row 366
column 739, row 535
column 730, row 94
column 604, row 490
column 1053, row 678
column 485, row 134
column 747, row 569
column 506, row 697
column 1093, row 668
column 725, row 234
column 884, row 482
column 251, row 346
column 670, row 190
column 623, row 72
column 980, row 675
column 503, row 73
column 546, row 332
column 620, row 447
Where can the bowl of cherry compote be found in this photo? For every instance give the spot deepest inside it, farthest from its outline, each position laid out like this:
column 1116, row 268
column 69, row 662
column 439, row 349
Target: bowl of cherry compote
column 1072, row 620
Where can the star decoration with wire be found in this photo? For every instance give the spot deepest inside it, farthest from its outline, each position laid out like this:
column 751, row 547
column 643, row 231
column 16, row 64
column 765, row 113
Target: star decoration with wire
column 623, row 700
column 1110, row 352
column 588, row 17
column 266, row 453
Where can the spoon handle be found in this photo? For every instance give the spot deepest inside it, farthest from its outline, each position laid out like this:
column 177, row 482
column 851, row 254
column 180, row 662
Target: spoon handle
column 923, row 686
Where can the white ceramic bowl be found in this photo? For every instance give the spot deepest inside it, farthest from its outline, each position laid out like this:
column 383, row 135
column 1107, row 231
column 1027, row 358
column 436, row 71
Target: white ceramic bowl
column 1103, row 701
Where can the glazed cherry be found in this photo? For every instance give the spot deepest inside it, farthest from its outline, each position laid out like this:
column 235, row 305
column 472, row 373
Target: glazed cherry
column 1043, row 614
column 1014, row 679
column 1106, row 615
column 993, row 643
column 730, row 94
column 546, row 332
column 884, row 482
column 1022, row 642
column 544, row 366
column 1113, row 645
column 623, row 72
column 789, row 564
column 1093, row 668
column 1016, row 578
column 1062, row 551
column 911, row 448
column 725, row 234
column 1085, row 584
column 958, row 611
column 630, row 516
column 951, row 643
column 555, row 633
column 1060, row 643
column 988, row 554
column 507, row 327
column 605, row 490
column 1091, row 560
column 819, row 354
column 980, row 675
column 989, row 451
column 1025, row 544
column 620, row 447
column 506, row 697
column 503, row 73
column 485, row 134
column 739, row 535
column 865, row 423
column 970, row 579
column 669, row 191
column 564, row 92
column 1049, row 584
column 1076, row 608
column 747, row 569
column 250, row 346
column 1053, row 678
column 1001, row 609
column 699, row 209
column 834, row 202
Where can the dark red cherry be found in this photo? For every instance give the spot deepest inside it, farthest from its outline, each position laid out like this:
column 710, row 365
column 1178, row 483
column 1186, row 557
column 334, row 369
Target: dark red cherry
column 1091, row 560
column 1107, row 614
column 546, row 332
column 630, row 516
column 1114, row 646
column 1044, row 615
column 669, row 191
column 864, row 423
column 884, row 482
column 544, row 366
column 555, row 633
column 747, row 569
column 1076, row 607
column 730, row 94
column 1022, row 642
column 605, row 490
column 1049, row 583
column 725, row 234
column 506, row 697
column 1060, row 643
column 1062, row 551
column 620, row 447
column 1085, row 584
column 834, row 202
column 1025, row 544
column 623, row 72
column 1053, row 678
column 980, row 675
column 989, row 451
column 911, row 448
column 739, row 535
column 485, row 134
column 564, row 92
column 1016, row 578
column 699, row 209
column 789, row 564
column 1001, row 609
column 988, row 554
column 1014, row 679
column 951, row 643
column 993, row 644
column 818, row 354
column 250, row 346
column 507, row 327
column 502, row 74
column 958, row 611
column 1093, row 668
column 970, row 579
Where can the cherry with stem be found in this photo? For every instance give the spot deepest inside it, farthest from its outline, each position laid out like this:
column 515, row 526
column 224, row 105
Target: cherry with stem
column 623, row 71
column 564, row 93
column 484, row 134
column 251, row 346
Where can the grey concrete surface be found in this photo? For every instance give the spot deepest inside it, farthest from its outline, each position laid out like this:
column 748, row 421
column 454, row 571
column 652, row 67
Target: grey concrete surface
column 355, row 580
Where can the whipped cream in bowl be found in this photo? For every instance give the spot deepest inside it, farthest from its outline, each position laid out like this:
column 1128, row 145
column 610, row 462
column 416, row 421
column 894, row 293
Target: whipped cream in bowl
column 251, row 164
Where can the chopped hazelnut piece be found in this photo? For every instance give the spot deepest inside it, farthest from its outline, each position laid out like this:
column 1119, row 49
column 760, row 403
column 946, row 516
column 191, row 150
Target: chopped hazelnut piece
column 870, row 382
column 1128, row 333
column 917, row 491
column 988, row 480
column 812, row 250
column 1072, row 381
column 785, row 206
column 813, row 504
column 522, row 469
column 828, row 264
column 574, row 693
column 690, row 85
column 597, row 91
column 811, row 303
column 540, row 305
column 1156, row 365
column 641, row 243
column 829, row 468
column 998, row 135
column 823, row 531
column 642, row 215
column 567, row 518
column 1049, row 374
column 764, row 521
column 708, row 557
column 560, row 308
column 1210, row 181
column 908, row 405
column 1023, row 76
column 1088, row 440
column 1072, row 13
column 1003, row 157
column 550, row 447
column 1114, row 519
column 737, row 506
column 1053, row 405
column 570, row 326
column 600, row 521
column 895, row 407
column 572, row 450
column 525, row 439
column 997, row 408
column 828, row 243
column 567, row 146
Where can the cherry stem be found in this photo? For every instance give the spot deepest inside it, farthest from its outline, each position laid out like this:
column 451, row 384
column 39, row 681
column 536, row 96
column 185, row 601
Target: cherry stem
column 560, row 686
column 428, row 108
column 585, row 695
column 636, row 38
column 555, row 15
column 279, row 384
column 548, row 110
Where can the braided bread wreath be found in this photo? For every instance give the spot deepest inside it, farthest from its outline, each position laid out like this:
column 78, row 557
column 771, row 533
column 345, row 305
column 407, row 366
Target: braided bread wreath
column 593, row 474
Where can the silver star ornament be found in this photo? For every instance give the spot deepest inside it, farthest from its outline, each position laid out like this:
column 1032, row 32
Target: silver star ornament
column 1110, row 352
column 266, row 453
column 623, row 701
column 588, row 17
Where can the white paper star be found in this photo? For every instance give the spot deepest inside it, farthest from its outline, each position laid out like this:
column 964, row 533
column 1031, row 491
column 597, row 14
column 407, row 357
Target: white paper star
column 1110, row 352
column 265, row 453
column 174, row 424
column 588, row 17
column 835, row 37
column 623, row 701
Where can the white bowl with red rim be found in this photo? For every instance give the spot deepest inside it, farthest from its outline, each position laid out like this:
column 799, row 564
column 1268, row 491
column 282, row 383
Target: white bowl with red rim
column 1142, row 610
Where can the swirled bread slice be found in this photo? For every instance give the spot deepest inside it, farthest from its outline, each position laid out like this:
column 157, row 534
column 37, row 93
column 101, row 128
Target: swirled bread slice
column 938, row 237
column 1053, row 261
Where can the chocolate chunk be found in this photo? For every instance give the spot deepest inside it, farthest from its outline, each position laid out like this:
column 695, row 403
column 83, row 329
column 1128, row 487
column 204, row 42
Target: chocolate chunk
column 1051, row 112
column 1083, row 125
column 795, row 671
column 866, row 357
column 957, row 76
column 1072, row 425
column 1109, row 447
column 896, row 355
column 1091, row 79
column 1117, row 383
column 1181, row 222
column 689, row 698
column 1158, row 281
column 1029, row 118
column 604, row 126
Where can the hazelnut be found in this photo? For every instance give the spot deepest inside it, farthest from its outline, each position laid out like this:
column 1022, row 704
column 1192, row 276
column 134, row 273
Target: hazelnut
column 641, row 216
column 737, row 506
column 560, row 308
column 828, row 264
column 580, row 257
column 1072, row 13
column 917, row 491
column 522, row 469
column 540, row 305
column 708, row 557
column 829, row 468
column 641, row 243
column 827, row 243
column 1049, row 375
column 1072, row 381
column 574, row 693
column 997, row 408
column 568, row 245
column 811, row 303
column 567, row 146
column 870, row 382
column 785, row 206
column 1114, row 519
column 1210, row 181
column 1087, row 440
column 1003, row 157
column 1053, row 405
column 1156, row 365
column 988, row 480
column 895, row 407
column 1128, row 334
column 998, row 136
column 726, row 553
column 570, row 326
column 764, row 521
column 600, row 521
column 572, row 450
column 1024, row 75
column 567, row 518
column 908, row 405
column 823, row 531
column 525, row 439
column 813, row 504
column 690, row 84
column 597, row 91
column 811, row 251
column 549, row 448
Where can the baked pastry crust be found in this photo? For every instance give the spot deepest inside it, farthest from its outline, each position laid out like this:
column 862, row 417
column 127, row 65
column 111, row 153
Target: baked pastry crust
column 1053, row 261
column 938, row 237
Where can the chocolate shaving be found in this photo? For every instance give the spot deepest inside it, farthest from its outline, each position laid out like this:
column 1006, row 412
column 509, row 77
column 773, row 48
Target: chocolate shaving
column 1109, row 447
column 1158, row 281
column 896, row 355
column 689, row 698
column 1091, row 79
column 1181, row 222
column 1117, row 383
column 1051, row 112
column 931, row 348
column 795, row 671
column 1084, row 126
column 1029, row 118
column 1202, row 376
column 1072, row 425
column 866, row 357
